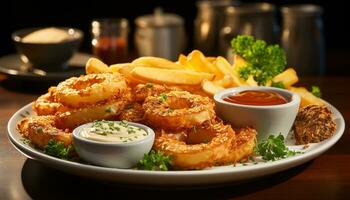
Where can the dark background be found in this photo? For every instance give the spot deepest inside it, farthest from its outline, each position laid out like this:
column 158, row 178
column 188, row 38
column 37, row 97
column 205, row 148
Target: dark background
column 17, row 14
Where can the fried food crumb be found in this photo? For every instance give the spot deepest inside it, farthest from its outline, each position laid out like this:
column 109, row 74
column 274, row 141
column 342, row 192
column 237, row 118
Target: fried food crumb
column 313, row 124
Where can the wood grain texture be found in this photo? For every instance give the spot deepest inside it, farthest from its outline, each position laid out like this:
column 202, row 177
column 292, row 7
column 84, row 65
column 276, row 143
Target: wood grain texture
column 326, row 177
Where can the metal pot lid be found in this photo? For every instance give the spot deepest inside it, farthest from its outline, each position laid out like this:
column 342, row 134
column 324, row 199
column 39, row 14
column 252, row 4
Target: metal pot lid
column 159, row 19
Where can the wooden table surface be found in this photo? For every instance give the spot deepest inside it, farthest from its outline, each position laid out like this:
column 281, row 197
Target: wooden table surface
column 326, row 177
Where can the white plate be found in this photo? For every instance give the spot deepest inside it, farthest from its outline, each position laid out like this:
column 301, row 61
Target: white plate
column 213, row 175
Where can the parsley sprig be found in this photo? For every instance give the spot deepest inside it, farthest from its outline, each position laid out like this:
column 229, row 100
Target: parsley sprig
column 263, row 61
column 155, row 161
column 163, row 97
column 315, row 90
column 273, row 148
column 58, row 150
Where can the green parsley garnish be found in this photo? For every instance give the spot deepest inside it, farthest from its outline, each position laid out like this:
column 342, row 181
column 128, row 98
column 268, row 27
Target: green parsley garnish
column 149, row 85
column 57, row 149
column 130, row 106
column 263, row 61
column 110, row 110
column 315, row 90
column 278, row 84
column 273, row 148
column 25, row 141
column 39, row 130
column 155, row 161
column 163, row 97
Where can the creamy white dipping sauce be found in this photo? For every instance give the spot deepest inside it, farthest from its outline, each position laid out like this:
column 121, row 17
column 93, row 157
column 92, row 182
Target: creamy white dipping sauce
column 112, row 131
column 47, row 35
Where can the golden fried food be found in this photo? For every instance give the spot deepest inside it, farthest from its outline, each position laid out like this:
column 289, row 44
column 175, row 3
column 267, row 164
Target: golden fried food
column 142, row 91
column 41, row 129
column 178, row 110
column 70, row 117
column 96, row 66
column 170, row 76
column 90, row 89
column 47, row 105
column 244, row 145
column 108, row 111
column 307, row 98
column 133, row 113
column 186, row 124
column 313, row 124
column 197, row 156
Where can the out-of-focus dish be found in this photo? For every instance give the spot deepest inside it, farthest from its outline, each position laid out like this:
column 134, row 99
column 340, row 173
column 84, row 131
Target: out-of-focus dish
column 48, row 49
column 13, row 67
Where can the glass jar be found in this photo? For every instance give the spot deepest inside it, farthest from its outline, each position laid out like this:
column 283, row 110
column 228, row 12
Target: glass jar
column 208, row 23
column 302, row 38
column 110, row 39
column 256, row 19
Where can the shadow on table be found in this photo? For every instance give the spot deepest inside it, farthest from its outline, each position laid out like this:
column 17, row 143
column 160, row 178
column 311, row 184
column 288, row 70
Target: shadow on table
column 42, row 182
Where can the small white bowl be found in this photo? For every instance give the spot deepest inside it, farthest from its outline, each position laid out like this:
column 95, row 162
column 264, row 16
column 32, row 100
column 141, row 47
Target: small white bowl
column 112, row 154
column 267, row 120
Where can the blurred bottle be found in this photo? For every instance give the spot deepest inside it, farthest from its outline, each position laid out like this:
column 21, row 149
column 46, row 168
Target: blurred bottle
column 256, row 19
column 208, row 23
column 302, row 38
column 160, row 34
column 110, row 40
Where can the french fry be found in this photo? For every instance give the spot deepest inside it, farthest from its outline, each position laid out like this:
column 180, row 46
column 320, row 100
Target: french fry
column 238, row 62
column 225, row 82
column 119, row 66
column 170, row 76
column 223, row 65
column 182, row 60
column 199, row 62
column 149, row 61
column 288, row 77
column 211, row 59
column 211, row 88
column 251, row 82
column 307, row 98
column 96, row 66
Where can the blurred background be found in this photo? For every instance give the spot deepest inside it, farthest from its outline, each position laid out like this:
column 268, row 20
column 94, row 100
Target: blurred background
column 17, row 14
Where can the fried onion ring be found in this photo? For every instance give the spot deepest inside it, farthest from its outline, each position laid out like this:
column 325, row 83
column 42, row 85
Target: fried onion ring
column 142, row 91
column 133, row 113
column 177, row 110
column 197, row 156
column 47, row 105
column 226, row 147
column 107, row 110
column 41, row 129
column 90, row 89
column 245, row 143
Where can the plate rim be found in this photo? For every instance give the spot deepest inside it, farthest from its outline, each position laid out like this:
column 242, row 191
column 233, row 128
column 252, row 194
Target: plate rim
column 225, row 172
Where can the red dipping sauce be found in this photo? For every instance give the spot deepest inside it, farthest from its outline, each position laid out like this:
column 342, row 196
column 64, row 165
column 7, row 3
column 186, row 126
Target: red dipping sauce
column 256, row 98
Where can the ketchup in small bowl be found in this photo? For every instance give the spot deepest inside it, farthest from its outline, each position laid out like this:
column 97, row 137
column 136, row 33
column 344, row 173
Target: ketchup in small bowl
column 269, row 110
column 256, row 98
